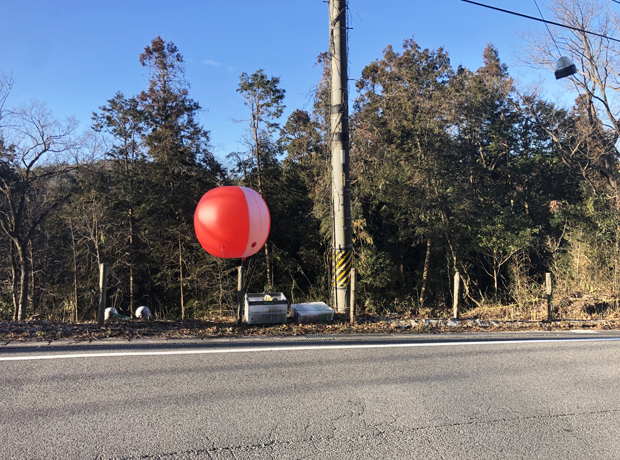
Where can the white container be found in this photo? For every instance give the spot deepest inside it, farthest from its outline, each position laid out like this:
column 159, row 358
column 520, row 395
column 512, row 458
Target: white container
column 110, row 313
column 144, row 313
column 312, row 312
column 268, row 308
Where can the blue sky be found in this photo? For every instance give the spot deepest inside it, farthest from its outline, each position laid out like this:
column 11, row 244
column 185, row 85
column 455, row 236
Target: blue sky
column 75, row 55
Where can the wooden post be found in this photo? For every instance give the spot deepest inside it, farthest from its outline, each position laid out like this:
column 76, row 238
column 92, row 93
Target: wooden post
column 549, row 290
column 457, row 286
column 240, row 283
column 103, row 287
column 353, row 291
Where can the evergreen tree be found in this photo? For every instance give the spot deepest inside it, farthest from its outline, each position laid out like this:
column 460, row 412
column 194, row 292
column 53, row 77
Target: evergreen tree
column 182, row 170
column 126, row 122
column 264, row 99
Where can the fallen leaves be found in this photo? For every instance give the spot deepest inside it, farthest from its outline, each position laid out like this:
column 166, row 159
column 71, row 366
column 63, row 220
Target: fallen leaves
column 39, row 330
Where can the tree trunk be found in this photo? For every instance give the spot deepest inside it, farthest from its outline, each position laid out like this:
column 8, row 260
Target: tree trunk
column 75, row 274
column 617, row 248
column 103, row 287
column 131, row 291
column 401, row 262
column 75, row 292
column 181, row 277
column 131, row 264
column 32, row 289
column 13, row 281
column 269, row 266
column 260, row 191
column 23, row 280
column 257, row 154
column 427, row 263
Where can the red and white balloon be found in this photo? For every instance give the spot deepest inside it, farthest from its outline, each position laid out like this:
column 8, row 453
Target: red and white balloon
column 232, row 222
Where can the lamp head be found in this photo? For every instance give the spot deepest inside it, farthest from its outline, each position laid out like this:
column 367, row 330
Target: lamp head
column 564, row 68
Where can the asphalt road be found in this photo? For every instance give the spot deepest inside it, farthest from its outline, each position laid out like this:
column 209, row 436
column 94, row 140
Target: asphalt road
column 429, row 397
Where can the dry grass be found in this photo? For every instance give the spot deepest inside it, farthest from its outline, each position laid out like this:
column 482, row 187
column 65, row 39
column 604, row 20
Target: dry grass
column 574, row 306
column 575, row 313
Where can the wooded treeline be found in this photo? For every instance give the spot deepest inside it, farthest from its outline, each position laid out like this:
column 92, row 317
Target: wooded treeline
column 452, row 170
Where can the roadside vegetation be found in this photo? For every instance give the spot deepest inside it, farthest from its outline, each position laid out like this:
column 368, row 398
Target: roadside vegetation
column 453, row 170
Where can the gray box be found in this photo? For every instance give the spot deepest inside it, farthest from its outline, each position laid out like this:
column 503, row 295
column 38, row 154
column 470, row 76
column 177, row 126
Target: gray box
column 261, row 311
column 312, row 312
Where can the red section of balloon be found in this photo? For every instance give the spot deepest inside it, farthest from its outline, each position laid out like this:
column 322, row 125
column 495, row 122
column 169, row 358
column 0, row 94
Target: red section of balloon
column 232, row 222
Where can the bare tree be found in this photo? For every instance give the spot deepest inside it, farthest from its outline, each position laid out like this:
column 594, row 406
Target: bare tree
column 597, row 58
column 32, row 146
column 587, row 140
column 593, row 145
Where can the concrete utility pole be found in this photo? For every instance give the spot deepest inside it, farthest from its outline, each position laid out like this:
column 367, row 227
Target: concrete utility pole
column 341, row 183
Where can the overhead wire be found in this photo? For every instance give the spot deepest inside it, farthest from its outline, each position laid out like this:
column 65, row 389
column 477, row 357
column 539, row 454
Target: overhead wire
column 554, row 41
column 543, row 20
column 548, row 29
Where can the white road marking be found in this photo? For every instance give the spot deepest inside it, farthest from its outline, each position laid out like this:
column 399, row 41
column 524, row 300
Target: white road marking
column 583, row 331
column 297, row 348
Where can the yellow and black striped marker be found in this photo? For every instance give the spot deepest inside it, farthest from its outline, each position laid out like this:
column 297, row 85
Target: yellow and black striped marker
column 342, row 262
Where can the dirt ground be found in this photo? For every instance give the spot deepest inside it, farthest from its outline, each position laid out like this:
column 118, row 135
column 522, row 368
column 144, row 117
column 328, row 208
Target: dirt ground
column 47, row 331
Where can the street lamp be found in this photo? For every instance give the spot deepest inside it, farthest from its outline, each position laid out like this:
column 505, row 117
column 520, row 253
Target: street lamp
column 564, row 68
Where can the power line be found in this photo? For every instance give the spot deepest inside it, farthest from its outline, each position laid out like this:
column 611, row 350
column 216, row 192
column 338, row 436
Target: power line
column 556, row 44
column 543, row 20
column 548, row 29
